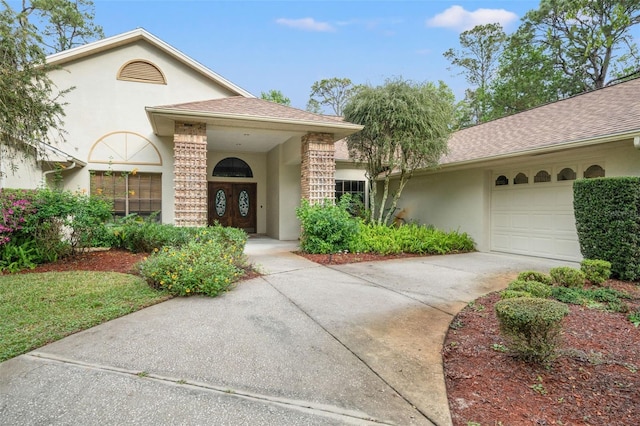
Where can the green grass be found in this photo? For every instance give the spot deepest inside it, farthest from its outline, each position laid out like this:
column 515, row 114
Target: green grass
column 40, row 308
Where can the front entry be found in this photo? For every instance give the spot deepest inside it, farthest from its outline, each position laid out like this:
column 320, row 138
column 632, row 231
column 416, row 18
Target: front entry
column 233, row 204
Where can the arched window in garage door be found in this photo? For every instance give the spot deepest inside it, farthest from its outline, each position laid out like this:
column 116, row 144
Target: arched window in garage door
column 593, row 171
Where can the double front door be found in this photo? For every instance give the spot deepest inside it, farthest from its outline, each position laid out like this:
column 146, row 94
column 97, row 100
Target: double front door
column 233, row 204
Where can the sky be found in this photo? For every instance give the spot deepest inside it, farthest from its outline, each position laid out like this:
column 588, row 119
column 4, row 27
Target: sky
column 262, row 45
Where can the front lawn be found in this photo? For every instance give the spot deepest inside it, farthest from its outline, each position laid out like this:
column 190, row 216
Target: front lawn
column 40, row 308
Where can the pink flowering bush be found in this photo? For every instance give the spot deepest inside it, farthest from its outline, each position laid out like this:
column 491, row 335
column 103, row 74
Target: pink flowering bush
column 15, row 205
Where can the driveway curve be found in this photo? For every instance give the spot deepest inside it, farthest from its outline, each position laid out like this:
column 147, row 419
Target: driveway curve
column 303, row 344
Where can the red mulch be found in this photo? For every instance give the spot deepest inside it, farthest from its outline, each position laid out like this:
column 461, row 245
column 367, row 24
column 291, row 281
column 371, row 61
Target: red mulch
column 595, row 380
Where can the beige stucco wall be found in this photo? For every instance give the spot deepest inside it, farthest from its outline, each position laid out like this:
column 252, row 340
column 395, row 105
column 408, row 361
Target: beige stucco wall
column 258, row 164
column 283, row 194
column 101, row 104
column 455, row 200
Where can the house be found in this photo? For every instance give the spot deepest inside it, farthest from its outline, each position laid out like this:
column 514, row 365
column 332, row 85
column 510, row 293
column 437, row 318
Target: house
column 509, row 182
column 155, row 130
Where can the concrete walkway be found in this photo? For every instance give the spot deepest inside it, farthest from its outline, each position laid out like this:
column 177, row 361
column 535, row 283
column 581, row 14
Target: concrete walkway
column 302, row 345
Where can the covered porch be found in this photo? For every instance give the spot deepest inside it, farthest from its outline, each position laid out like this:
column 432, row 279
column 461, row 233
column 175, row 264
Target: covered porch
column 247, row 162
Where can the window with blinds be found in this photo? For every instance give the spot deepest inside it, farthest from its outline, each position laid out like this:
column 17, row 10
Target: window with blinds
column 139, row 193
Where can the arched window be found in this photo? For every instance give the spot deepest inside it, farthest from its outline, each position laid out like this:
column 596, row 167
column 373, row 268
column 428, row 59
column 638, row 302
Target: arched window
column 520, row 178
column 594, row 172
column 232, row 167
column 566, row 174
column 542, row 176
column 142, row 72
column 502, row 180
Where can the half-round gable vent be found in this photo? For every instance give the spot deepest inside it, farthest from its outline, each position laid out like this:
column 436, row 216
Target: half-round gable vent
column 141, row 71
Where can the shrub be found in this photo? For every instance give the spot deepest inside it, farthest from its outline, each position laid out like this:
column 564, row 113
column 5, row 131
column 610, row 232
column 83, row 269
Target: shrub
column 535, row 276
column 603, row 298
column 141, row 235
column 607, row 212
column 327, row 227
column 510, row 294
column 596, row 271
column 208, row 264
column 534, row 288
column 532, row 325
column 411, row 238
column 567, row 277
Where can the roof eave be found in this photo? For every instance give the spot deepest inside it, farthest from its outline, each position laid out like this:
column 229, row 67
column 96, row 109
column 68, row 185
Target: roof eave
column 339, row 129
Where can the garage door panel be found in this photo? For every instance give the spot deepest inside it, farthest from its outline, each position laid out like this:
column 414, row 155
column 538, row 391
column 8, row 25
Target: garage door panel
column 520, row 221
column 535, row 219
column 541, row 222
column 565, row 222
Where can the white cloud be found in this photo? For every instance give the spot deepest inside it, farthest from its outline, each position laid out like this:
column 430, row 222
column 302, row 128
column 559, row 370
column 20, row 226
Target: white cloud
column 458, row 18
column 307, row 24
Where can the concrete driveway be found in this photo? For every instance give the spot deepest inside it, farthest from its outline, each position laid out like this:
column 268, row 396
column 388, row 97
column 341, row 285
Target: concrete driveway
column 302, row 345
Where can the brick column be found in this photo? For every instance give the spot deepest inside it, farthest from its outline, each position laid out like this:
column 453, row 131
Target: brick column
column 190, row 174
column 318, row 167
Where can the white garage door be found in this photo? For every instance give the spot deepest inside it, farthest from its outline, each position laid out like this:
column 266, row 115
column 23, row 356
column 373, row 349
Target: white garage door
column 535, row 220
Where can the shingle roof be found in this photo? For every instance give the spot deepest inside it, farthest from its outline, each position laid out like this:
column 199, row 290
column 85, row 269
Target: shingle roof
column 253, row 107
column 597, row 114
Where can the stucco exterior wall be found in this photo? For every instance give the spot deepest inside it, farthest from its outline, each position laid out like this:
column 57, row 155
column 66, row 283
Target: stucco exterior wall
column 457, row 200
column 101, row 104
column 283, row 196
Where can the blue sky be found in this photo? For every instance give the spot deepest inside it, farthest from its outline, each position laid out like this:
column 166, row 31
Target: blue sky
column 287, row 45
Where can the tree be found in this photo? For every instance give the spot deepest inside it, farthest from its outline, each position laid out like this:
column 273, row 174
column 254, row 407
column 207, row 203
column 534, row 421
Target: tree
column 333, row 92
column 586, row 38
column 526, row 77
column 481, row 48
column 31, row 108
column 275, row 96
column 406, row 127
column 67, row 23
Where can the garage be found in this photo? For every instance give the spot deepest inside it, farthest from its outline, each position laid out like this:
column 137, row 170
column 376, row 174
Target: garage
column 532, row 212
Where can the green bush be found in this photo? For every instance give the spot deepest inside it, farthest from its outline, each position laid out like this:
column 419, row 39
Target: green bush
column 510, row 294
column 535, row 276
column 327, row 227
column 141, row 235
column 411, row 238
column 208, row 264
column 595, row 270
column 602, row 297
column 607, row 212
column 532, row 326
column 534, row 288
column 567, row 277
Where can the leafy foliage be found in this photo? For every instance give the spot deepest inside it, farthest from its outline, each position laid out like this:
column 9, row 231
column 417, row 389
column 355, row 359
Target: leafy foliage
column 42, row 225
column 31, row 110
column 327, row 227
column 607, row 212
column 411, row 238
column 333, row 93
column 534, row 276
column 585, row 37
column 406, row 127
column 208, row 264
column 567, row 277
column 595, row 270
column 603, row 297
column 141, row 235
column 481, row 49
column 533, row 288
column 275, row 96
column 533, row 326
